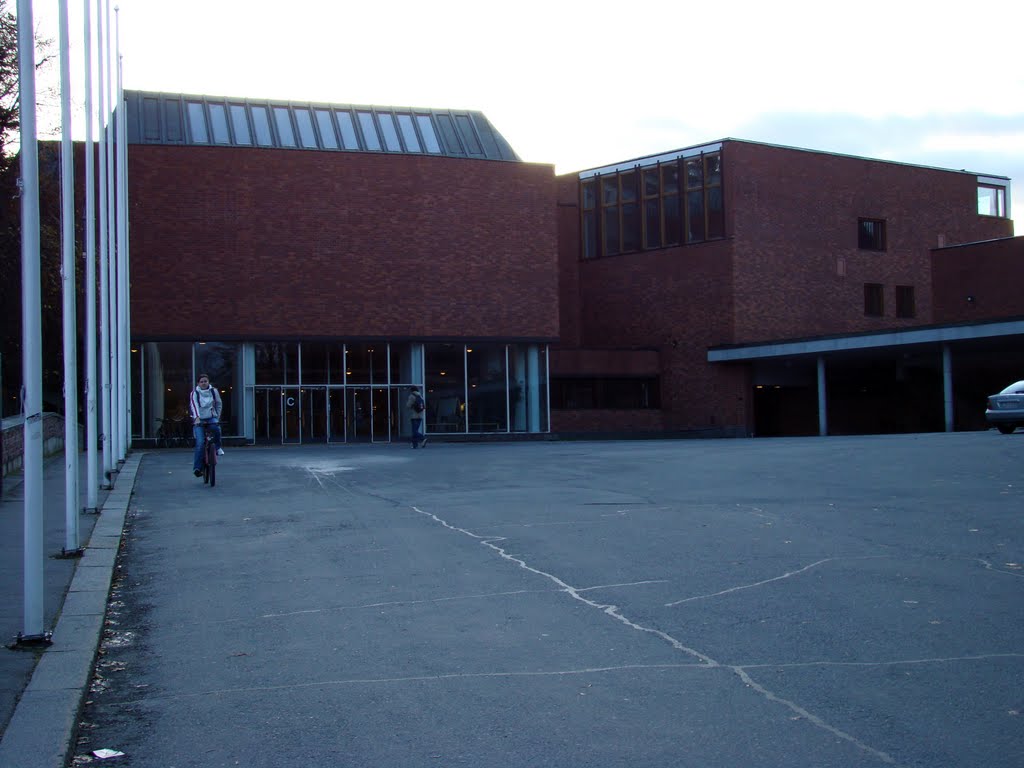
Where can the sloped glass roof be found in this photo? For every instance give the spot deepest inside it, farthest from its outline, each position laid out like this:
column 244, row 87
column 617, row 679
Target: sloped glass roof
column 164, row 118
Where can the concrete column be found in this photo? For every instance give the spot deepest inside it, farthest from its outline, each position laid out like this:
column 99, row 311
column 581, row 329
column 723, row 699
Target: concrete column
column 947, row 386
column 822, row 401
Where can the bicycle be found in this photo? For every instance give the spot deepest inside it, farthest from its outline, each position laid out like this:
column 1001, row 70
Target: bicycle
column 209, row 455
column 172, row 432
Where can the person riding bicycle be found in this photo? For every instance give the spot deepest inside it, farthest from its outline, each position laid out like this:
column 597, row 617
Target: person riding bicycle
column 205, row 406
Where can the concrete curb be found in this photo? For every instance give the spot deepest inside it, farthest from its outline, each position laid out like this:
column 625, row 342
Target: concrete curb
column 44, row 722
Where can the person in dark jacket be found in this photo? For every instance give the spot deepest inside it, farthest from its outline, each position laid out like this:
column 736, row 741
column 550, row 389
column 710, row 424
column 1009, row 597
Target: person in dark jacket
column 418, row 406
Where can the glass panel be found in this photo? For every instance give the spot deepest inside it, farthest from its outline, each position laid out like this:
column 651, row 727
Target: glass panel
column 528, row 379
column 316, row 361
column 197, row 122
column 168, row 384
column 276, row 362
column 349, row 140
column 369, row 131
column 611, row 231
column 267, row 415
column 716, row 214
column 240, row 124
column 380, row 418
column 694, row 173
column 446, row 388
column 468, row 136
column 172, row 120
column 291, row 408
column 261, row 123
column 151, row 119
column 221, row 361
column 409, row 133
column 359, row 414
column 219, row 124
column 673, row 220
column 652, row 224
column 694, row 216
column 589, row 193
column 402, row 366
column 589, row 234
column 451, row 139
column 485, row 373
column 628, row 186
column 306, row 133
column 609, row 191
column 336, row 418
column 630, row 227
column 670, row 179
column 651, row 186
column 283, row 122
column 366, row 363
column 427, row 132
column 135, row 371
column 991, row 201
column 387, row 127
column 713, row 170
column 326, row 126
column 314, row 414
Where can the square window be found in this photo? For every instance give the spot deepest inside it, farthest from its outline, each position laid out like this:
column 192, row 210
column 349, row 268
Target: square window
column 905, row 301
column 871, row 234
column 874, row 305
column 991, row 200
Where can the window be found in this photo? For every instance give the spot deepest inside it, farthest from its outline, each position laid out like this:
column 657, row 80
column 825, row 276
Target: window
column 369, row 130
column 306, row 133
column 261, row 124
column 905, row 301
column 427, row 131
column 349, row 140
column 326, row 126
column 991, row 200
column 197, row 122
column 588, row 202
column 283, row 121
column 871, row 234
column 219, row 123
column 240, row 124
column 409, row 133
column 387, row 127
column 874, row 305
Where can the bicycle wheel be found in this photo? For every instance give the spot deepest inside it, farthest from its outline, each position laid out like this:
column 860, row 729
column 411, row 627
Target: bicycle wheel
column 211, row 462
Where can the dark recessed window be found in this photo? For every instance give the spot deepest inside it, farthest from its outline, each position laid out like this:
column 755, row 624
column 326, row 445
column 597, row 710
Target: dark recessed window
column 871, row 234
column 905, row 301
column 874, row 301
column 605, row 393
column 588, row 204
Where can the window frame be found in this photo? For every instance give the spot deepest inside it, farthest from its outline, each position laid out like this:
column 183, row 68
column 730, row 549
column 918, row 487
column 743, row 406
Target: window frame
column 874, row 300
column 906, row 303
column 878, row 240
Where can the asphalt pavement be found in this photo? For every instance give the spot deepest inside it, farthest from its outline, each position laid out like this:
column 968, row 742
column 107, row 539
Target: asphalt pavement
column 846, row 602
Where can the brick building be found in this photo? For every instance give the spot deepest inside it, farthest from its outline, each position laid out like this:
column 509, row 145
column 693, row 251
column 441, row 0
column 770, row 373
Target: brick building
column 318, row 259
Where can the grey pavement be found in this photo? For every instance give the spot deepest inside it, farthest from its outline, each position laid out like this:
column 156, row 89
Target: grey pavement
column 41, row 689
column 846, row 602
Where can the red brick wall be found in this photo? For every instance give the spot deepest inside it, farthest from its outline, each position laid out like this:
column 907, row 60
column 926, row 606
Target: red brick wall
column 625, row 421
column 232, row 242
column 991, row 273
column 794, row 219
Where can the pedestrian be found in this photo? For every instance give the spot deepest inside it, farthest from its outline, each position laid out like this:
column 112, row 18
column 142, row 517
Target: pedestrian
column 205, row 406
column 418, row 406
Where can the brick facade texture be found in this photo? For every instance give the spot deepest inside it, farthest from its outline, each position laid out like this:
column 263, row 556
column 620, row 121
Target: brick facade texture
column 247, row 243
column 984, row 281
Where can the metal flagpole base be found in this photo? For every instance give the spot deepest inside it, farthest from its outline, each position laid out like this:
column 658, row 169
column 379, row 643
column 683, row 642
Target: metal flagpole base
column 70, row 554
column 31, row 642
column 90, row 510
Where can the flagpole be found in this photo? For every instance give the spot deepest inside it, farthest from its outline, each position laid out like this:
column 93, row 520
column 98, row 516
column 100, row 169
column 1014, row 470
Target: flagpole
column 92, row 439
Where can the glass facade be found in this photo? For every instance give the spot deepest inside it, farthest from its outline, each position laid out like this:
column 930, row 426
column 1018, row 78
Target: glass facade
column 336, row 392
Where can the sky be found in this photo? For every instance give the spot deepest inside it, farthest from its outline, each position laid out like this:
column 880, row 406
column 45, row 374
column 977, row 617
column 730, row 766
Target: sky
column 580, row 84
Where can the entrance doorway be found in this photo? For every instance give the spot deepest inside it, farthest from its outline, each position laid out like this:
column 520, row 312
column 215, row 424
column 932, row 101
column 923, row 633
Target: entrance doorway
column 277, row 416
column 293, row 415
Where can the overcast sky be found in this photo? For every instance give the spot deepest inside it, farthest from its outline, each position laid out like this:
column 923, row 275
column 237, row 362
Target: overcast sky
column 580, row 84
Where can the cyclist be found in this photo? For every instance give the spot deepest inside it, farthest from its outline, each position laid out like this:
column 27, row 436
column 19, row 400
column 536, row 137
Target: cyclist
column 205, row 406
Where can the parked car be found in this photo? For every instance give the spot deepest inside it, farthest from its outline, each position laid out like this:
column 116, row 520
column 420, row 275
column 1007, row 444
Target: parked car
column 1005, row 411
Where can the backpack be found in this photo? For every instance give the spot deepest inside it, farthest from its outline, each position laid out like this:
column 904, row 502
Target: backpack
column 418, row 405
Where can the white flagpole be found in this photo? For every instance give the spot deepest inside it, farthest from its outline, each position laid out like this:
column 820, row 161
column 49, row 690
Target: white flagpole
column 32, row 358
column 105, row 337
column 115, row 350
column 92, row 494
column 67, row 199
column 122, row 254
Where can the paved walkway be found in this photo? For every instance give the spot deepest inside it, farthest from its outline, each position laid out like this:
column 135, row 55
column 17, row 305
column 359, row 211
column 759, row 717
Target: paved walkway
column 41, row 692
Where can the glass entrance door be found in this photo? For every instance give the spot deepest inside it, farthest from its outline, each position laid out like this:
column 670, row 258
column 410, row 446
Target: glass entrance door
column 314, row 414
column 291, row 415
